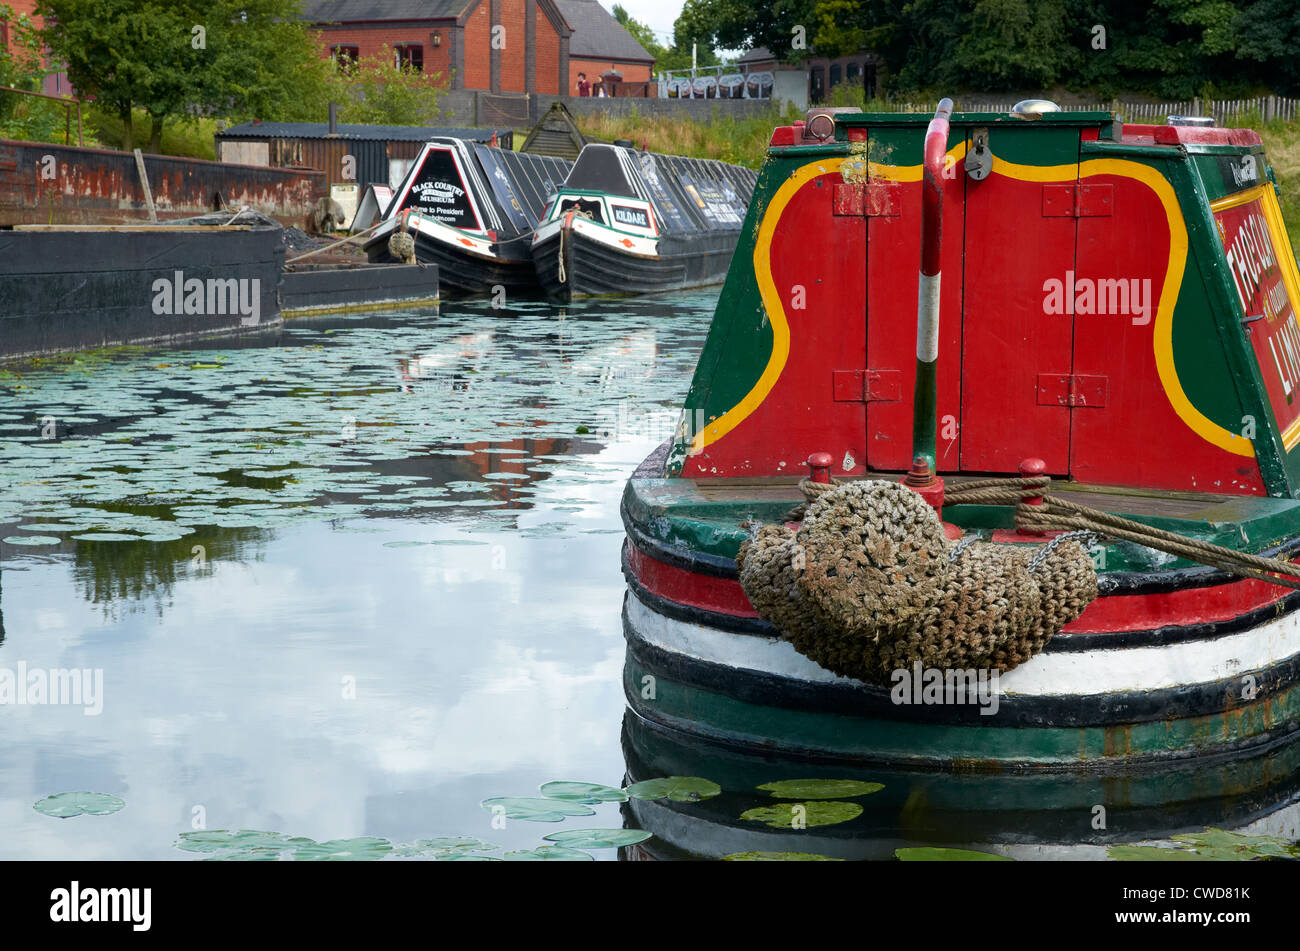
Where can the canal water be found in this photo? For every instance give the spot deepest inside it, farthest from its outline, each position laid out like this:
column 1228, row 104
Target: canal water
column 347, row 579
column 352, row 580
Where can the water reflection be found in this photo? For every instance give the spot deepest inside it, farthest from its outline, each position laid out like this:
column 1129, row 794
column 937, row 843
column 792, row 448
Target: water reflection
column 408, row 595
column 1025, row 816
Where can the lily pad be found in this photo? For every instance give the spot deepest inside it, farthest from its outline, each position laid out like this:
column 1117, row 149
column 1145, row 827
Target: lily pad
column 778, row 857
column 675, row 788
column 583, row 792
column 598, row 838
column 443, row 847
column 1222, row 844
column 1154, row 853
column 820, row 788
column 247, row 855
column 32, row 540
column 65, row 805
column 364, row 849
column 928, row 854
column 218, row 840
column 537, row 810
column 106, row 537
column 815, row 813
column 1212, row 845
column 548, row 853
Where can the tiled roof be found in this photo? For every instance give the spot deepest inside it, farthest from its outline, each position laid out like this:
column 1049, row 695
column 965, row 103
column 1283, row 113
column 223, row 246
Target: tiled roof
column 597, row 35
column 330, row 11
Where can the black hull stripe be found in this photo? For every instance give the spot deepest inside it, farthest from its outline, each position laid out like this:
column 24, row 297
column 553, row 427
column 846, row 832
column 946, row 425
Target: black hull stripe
column 858, row 699
column 596, row 270
column 463, row 272
column 1260, row 745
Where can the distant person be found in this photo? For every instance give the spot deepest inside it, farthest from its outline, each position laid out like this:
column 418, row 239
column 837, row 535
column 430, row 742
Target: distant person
column 584, row 87
column 600, row 90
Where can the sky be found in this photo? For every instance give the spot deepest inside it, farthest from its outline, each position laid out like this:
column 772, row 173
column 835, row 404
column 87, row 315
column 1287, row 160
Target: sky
column 659, row 15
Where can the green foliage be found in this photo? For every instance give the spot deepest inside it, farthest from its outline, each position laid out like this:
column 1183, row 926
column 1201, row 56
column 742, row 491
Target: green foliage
column 25, row 117
column 187, row 58
column 376, row 90
column 678, row 56
column 1168, row 48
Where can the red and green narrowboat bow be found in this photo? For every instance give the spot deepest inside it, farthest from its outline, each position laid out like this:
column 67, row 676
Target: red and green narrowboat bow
column 1109, row 304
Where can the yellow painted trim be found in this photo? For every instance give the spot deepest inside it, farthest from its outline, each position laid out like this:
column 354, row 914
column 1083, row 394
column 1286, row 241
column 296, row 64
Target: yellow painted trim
column 712, row 432
column 1206, row 428
column 1267, row 197
column 733, row 417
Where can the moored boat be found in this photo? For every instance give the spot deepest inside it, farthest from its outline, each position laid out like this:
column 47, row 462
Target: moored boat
column 629, row 222
column 1104, row 338
column 470, row 209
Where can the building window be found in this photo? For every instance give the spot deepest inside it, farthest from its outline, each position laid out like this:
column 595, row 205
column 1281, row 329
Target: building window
column 410, row 56
column 851, row 72
column 345, row 57
column 835, row 74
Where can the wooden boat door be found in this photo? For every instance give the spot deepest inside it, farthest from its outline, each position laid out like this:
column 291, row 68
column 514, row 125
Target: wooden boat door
column 1016, row 325
column 893, row 255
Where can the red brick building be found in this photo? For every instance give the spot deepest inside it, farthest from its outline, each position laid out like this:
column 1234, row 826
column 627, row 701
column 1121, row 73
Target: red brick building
column 520, row 46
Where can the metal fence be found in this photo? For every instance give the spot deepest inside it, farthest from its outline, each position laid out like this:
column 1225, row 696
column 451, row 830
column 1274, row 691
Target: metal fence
column 1223, row 111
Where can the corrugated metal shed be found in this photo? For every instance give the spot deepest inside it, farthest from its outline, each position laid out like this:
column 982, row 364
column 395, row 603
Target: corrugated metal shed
column 360, row 153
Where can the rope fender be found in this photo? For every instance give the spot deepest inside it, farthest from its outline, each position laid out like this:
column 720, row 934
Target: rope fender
column 869, row 585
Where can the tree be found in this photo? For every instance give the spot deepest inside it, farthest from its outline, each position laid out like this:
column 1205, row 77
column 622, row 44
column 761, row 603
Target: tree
column 175, row 58
column 378, row 90
column 677, row 56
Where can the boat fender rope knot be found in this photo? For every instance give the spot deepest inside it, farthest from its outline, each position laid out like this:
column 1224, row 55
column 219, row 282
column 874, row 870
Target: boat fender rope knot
column 869, row 584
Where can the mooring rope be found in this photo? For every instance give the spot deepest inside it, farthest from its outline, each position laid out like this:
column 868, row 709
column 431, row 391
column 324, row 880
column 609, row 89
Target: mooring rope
column 1056, row 513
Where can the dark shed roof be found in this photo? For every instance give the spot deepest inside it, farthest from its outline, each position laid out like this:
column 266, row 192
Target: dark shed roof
column 320, row 130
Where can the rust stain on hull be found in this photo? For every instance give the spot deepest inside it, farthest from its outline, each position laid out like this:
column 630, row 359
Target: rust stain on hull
column 58, row 184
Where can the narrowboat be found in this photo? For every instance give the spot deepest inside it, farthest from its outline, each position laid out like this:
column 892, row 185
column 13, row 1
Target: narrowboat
column 989, row 460
column 629, row 222
column 470, row 208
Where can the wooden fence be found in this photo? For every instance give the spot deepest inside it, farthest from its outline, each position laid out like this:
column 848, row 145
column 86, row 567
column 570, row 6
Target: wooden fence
column 1224, row 111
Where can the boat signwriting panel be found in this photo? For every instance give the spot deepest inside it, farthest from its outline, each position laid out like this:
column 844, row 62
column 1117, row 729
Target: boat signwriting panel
column 438, row 191
column 1266, row 283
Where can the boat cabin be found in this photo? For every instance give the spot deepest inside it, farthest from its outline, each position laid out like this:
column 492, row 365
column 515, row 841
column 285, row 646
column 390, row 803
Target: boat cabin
column 491, row 192
column 1117, row 300
column 650, row 194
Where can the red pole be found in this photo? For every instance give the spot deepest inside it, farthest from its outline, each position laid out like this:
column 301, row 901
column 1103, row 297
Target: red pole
column 925, row 396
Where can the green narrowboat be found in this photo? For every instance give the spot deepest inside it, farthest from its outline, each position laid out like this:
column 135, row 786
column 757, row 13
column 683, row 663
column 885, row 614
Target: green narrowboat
column 1033, row 508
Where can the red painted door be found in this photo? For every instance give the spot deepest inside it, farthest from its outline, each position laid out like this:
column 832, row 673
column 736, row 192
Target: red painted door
column 893, row 262
column 1016, row 333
